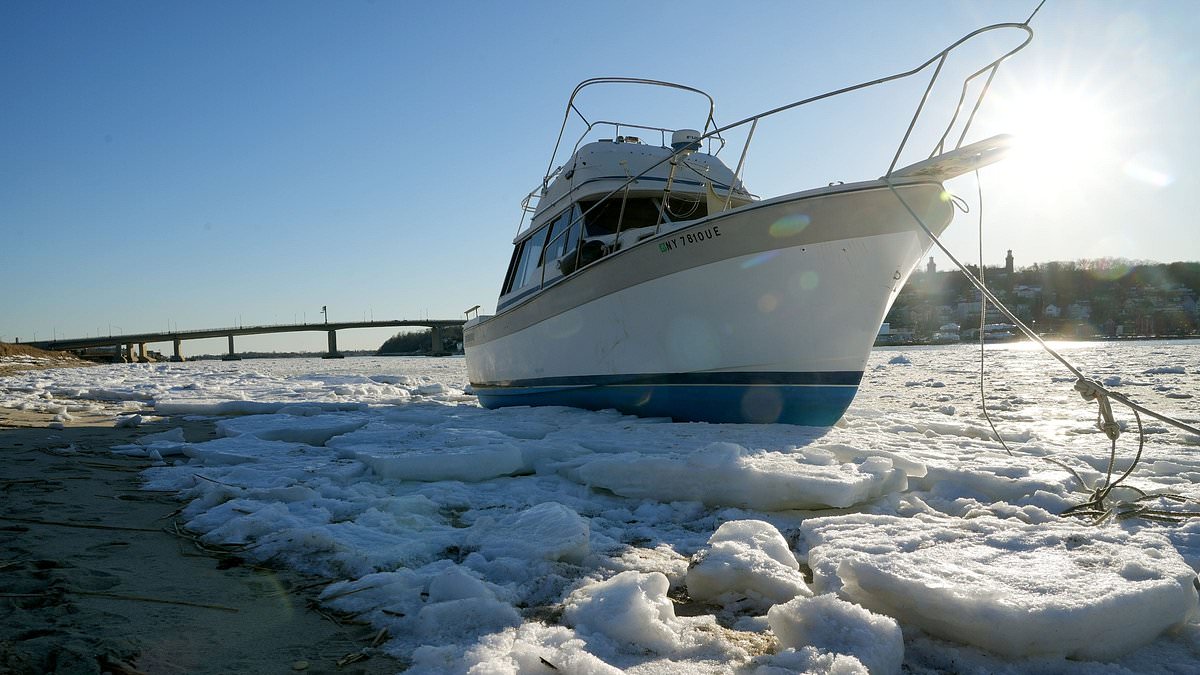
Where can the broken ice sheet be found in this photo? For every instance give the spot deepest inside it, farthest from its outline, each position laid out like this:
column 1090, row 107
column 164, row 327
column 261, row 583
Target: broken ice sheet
column 1052, row 589
column 727, row 474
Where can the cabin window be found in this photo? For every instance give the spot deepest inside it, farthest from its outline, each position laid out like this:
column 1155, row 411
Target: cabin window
column 512, row 268
column 561, row 249
column 528, row 268
column 640, row 213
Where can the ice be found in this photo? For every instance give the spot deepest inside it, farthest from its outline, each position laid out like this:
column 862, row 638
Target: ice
column 542, row 540
column 727, row 474
column 829, row 626
column 548, row 531
column 170, row 436
column 129, row 421
column 218, row 407
column 631, row 609
column 470, row 465
column 749, row 563
column 310, row 430
column 532, row 648
column 1052, row 589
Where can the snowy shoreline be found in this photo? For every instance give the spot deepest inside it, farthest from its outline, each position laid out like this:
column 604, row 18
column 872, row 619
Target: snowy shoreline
column 507, row 538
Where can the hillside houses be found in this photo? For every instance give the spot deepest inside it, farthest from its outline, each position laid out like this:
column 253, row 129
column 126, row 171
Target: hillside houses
column 1080, row 299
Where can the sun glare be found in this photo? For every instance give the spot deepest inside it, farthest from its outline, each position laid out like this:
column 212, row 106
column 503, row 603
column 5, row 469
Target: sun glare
column 1062, row 137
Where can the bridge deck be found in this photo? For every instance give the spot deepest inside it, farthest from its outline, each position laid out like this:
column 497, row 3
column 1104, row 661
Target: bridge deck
column 149, row 338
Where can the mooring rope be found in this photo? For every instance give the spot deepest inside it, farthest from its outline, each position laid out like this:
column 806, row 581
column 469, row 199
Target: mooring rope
column 1090, row 384
column 983, row 321
column 1090, row 389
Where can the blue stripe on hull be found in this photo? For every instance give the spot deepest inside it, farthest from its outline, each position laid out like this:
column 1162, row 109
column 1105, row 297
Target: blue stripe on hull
column 810, row 405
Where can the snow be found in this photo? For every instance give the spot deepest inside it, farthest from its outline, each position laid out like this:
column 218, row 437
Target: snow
column 728, row 474
column 826, row 625
column 539, row 540
column 630, row 609
column 746, row 561
column 1051, row 589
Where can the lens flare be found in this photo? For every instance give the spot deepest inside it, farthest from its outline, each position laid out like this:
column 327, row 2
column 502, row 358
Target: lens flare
column 789, row 226
column 805, row 281
column 762, row 405
column 759, row 259
column 1109, row 270
column 1141, row 171
column 767, row 303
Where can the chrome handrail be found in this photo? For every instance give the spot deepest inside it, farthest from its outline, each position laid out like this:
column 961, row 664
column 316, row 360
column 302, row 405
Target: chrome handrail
column 709, row 122
column 939, row 58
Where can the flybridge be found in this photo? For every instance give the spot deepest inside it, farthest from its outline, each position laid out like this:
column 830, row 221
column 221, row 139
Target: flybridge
column 127, row 343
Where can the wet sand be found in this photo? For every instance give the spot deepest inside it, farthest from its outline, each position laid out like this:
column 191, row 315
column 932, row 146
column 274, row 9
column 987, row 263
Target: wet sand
column 97, row 575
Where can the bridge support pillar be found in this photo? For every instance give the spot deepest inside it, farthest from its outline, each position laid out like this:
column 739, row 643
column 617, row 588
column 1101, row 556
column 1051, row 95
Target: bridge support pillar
column 333, row 352
column 435, row 337
column 142, row 358
column 128, row 356
column 178, row 356
column 232, row 355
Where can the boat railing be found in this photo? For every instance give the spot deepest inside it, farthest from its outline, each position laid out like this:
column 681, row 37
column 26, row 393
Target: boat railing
column 939, row 59
column 709, row 122
column 616, row 127
column 711, row 130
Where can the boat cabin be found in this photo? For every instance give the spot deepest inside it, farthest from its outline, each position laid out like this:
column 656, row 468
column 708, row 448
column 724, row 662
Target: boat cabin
column 611, row 195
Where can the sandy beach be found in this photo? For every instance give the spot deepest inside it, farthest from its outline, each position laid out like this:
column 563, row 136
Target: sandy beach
column 98, row 576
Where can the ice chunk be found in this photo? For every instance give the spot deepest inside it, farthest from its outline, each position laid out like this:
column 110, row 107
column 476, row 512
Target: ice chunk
column 631, row 609
column 531, row 648
column 810, row 661
column 456, row 584
column 128, row 421
column 432, row 389
column 1165, row 370
column 1053, row 589
column 313, row 430
column 238, row 407
column 748, row 562
column 225, row 451
column 170, row 436
column 470, row 464
column 839, row 627
column 548, row 531
column 453, row 620
column 726, row 474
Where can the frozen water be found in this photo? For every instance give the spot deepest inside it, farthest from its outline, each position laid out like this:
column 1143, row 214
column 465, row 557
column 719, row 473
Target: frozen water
column 631, row 609
column 529, row 540
column 1058, row 589
column 825, row 625
column 727, row 474
column 747, row 562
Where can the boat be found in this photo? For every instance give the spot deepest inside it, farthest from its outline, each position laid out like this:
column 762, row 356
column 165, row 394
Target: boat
column 948, row 333
column 999, row 332
column 650, row 280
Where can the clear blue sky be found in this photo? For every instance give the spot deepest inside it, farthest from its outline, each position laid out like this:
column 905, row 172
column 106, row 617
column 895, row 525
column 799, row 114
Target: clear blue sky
column 204, row 164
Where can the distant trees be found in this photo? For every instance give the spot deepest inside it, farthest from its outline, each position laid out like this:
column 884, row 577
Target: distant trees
column 421, row 342
column 1105, row 296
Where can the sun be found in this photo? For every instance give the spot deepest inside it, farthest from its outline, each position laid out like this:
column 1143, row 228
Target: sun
column 1063, row 137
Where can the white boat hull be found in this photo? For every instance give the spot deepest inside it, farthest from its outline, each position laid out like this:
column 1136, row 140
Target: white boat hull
column 770, row 319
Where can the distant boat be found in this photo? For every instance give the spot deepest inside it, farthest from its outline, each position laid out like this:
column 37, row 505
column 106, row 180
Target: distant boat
column 948, row 333
column 650, row 280
column 999, row 332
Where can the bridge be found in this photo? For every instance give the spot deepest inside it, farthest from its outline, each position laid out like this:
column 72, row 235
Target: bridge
column 126, row 344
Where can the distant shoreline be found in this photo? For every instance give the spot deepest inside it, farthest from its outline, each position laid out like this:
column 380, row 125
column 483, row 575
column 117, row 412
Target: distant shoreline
column 1047, row 338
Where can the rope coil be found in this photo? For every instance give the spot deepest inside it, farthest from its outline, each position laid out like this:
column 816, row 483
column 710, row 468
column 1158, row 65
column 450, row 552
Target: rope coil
column 1092, row 390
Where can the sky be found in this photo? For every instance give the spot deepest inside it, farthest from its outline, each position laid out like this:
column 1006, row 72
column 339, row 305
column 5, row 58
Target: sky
column 186, row 166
